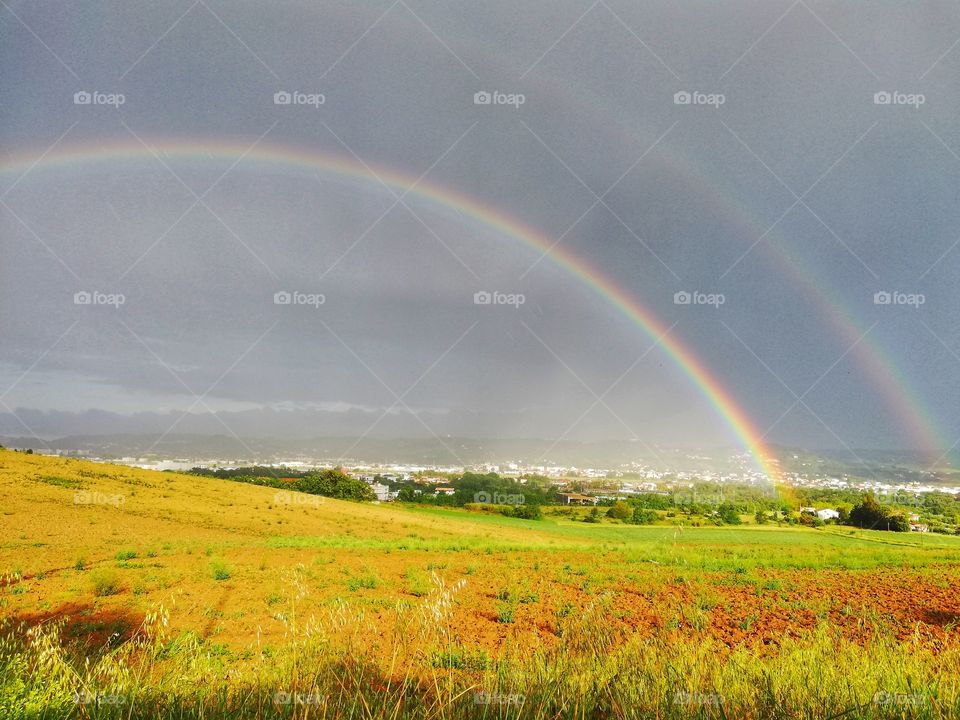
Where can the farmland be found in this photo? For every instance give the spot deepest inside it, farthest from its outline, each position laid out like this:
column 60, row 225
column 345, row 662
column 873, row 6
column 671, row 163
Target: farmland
column 132, row 593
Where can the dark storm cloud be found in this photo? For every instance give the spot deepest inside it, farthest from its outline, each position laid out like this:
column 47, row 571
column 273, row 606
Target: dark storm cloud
column 782, row 142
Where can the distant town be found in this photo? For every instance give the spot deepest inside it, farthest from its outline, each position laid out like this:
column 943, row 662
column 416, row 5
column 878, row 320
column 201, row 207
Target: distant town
column 622, row 480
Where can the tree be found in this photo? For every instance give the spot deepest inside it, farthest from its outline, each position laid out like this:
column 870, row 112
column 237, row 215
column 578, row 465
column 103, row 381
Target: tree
column 868, row 513
column 406, row 494
column 619, row 511
column 898, row 522
column 728, row 514
column 760, row 517
column 333, row 483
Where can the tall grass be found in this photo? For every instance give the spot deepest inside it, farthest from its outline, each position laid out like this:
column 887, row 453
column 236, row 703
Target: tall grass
column 594, row 670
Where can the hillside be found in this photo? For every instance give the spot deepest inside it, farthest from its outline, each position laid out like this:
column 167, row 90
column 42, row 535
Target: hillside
column 242, row 574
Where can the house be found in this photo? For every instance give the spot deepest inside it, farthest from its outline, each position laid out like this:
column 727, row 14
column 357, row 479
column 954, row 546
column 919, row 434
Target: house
column 808, row 510
column 383, row 492
column 919, row 527
column 445, row 491
column 576, row 499
column 828, row 514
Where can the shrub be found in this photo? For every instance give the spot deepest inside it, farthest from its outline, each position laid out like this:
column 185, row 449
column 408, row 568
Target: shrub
column 619, row 511
column 368, row 581
column 417, row 583
column 219, row 571
column 506, row 612
column 106, row 583
column 525, row 512
column 643, row 516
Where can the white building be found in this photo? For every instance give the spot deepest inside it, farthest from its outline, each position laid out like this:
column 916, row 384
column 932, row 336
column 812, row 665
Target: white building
column 828, row 514
column 383, row 492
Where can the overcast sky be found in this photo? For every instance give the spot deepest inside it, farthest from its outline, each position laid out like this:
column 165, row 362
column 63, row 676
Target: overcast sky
column 786, row 186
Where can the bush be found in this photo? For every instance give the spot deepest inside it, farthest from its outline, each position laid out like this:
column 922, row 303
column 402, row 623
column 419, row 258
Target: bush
column 106, row 583
column 593, row 517
column 219, row 571
column 898, row 522
column 643, row 516
column 619, row 511
column 525, row 512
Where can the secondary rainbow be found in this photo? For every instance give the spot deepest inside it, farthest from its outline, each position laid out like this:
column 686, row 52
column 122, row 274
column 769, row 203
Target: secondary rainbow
column 709, row 386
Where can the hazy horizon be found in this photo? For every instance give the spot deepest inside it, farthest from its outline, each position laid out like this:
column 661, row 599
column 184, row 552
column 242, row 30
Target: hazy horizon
column 677, row 226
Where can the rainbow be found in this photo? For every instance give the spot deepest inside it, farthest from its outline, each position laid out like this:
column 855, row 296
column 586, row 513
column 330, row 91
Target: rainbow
column 877, row 365
column 886, row 378
column 708, row 385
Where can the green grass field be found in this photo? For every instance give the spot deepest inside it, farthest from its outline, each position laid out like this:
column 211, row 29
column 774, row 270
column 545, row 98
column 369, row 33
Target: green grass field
column 202, row 598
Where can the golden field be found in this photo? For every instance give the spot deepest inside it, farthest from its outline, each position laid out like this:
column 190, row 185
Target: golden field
column 167, row 595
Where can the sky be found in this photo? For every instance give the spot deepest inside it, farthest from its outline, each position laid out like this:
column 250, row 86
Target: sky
column 791, row 168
